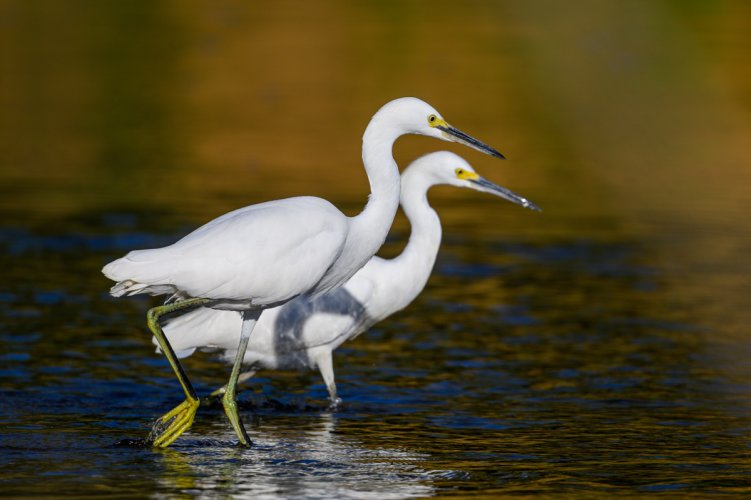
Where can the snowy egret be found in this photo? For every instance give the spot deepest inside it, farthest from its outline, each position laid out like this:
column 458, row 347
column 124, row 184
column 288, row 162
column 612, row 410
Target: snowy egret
column 304, row 332
column 264, row 255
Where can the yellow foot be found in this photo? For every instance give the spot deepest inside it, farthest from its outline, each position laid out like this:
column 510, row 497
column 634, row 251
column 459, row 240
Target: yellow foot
column 230, row 408
column 240, row 379
column 214, row 398
column 219, row 392
column 172, row 424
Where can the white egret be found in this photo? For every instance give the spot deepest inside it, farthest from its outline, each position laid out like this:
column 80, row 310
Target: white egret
column 264, row 255
column 304, row 332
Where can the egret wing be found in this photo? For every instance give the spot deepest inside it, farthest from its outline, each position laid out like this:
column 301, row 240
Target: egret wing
column 266, row 253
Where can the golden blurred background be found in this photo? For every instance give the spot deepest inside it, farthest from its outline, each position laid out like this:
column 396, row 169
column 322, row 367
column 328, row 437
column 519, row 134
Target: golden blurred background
column 623, row 120
column 601, row 345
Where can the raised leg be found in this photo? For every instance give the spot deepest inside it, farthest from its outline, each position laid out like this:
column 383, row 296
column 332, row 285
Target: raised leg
column 240, row 379
column 326, row 367
column 229, row 402
column 169, row 426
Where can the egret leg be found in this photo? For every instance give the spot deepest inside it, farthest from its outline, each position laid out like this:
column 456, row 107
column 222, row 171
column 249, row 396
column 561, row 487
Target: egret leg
column 326, row 367
column 169, row 426
column 240, row 379
column 229, row 402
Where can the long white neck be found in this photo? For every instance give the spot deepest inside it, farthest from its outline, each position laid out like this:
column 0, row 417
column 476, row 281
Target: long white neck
column 370, row 228
column 416, row 261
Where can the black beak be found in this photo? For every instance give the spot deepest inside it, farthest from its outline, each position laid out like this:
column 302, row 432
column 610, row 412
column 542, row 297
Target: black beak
column 456, row 135
column 486, row 186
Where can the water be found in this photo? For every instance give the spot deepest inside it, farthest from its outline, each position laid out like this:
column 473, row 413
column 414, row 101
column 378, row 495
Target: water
column 600, row 347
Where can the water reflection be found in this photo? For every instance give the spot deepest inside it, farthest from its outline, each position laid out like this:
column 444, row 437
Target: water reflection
column 545, row 368
column 300, row 461
column 599, row 348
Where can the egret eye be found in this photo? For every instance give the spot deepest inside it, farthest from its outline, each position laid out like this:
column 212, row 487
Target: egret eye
column 432, row 119
column 459, row 172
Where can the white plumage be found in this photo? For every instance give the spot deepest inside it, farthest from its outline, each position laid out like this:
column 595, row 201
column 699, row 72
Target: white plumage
column 304, row 332
column 230, row 258
column 266, row 254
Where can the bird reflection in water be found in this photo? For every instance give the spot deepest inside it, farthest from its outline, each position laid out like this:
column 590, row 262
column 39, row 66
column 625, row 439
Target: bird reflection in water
column 321, row 463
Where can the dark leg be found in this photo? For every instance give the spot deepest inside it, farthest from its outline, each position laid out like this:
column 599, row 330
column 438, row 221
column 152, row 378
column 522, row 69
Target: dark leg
column 250, row 318
column 169, row 426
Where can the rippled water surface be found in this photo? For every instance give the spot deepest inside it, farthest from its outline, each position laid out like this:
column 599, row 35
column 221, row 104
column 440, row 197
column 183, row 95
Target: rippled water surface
column 599, row 347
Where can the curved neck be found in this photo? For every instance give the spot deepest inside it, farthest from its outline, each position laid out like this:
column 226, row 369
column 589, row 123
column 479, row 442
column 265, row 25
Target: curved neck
column 418, row 257
column 370, row 228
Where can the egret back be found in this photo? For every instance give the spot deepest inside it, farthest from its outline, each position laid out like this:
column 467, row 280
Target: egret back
column 259, row 255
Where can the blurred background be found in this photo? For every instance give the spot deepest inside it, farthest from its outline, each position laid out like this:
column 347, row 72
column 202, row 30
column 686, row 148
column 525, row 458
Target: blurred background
column 601, row 345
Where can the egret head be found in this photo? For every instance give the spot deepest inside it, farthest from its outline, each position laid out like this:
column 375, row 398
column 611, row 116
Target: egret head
column 418, row 117
column 444, row 167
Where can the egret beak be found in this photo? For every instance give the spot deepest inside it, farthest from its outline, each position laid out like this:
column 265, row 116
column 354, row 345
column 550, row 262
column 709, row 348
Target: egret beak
column 453, row 134
column 484, row 185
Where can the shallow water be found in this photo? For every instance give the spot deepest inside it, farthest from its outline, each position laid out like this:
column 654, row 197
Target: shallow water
column 601, row 346
column 500, row 378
